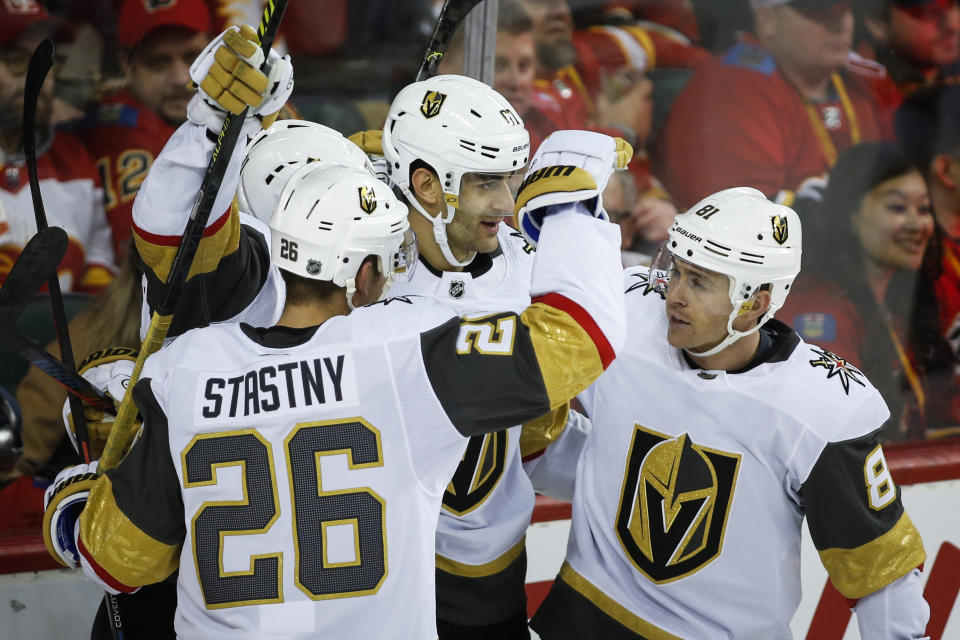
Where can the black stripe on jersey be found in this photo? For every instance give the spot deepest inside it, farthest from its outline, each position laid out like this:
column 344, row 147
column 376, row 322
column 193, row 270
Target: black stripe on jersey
column 837, row 497
column 483, row 392
column 145, row 483
column 221, row 294
column 483, row 600
column 279, row 337
column 566, row 614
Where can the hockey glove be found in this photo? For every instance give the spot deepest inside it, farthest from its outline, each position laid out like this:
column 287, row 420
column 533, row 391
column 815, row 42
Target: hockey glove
column 229, row 78
column 370, row 141
column 108, row 370
column 63, row 502
column 569, row 172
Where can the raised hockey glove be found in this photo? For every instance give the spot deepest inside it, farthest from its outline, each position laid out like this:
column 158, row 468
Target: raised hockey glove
column 63, row 502
column 568, row 173
column 229, row 77
column 109, row 370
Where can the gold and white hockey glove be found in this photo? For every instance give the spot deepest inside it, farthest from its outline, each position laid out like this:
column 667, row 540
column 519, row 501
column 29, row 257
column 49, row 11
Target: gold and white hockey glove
column 63, row 501
column 229, row 78
column 108, row 370
column 569, row 172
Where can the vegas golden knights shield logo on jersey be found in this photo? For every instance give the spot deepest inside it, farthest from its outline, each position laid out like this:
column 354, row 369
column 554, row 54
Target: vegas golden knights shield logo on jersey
column 674, row 504
column 432, row 102
column 779, row 229
column 368, row 200
column 478, row 473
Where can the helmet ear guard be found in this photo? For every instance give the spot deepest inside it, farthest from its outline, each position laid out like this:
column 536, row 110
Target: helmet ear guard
column 739, row 233
column 455, row 125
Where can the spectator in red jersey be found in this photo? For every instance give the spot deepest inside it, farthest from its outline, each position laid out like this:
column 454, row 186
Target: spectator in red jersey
column 776, row 109
column 158, row 42
column 595, row 78
column 928, row 125
column 68, row 180
column 918, row 41
column 866, row 292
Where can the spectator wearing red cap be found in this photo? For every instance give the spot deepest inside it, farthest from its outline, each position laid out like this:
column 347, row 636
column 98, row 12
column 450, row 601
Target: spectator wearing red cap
column 68, row 180
column 777, row 109
column 158, row 42
column 918, row 41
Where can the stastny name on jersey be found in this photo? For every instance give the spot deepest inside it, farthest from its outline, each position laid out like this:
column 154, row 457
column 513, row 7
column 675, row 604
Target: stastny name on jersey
column 276, row 387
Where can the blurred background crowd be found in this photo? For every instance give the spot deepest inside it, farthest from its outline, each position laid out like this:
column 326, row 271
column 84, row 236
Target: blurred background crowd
column 846, row 110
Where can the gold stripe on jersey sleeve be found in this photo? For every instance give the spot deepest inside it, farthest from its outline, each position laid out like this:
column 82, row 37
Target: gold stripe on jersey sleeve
column 861, row 571
column 613, row 608
column 568, row 370
column 223, row 239
column 537, row 434
column 482, row 570
column 128, row 554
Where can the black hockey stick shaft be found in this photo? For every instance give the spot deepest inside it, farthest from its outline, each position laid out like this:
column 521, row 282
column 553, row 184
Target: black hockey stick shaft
column 451, row 17
column 125, row 424
column 40, row 64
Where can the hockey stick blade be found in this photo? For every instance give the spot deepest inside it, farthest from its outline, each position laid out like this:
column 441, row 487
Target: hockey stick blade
column 124, row 426
column 451, row 17
column 34, row 266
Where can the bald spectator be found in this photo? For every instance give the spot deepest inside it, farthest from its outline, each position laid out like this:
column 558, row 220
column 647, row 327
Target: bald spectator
column 776, row 110
column 68, row 180
column 158, row 42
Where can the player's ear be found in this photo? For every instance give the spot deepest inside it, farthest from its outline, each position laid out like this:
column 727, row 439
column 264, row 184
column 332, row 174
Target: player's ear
column 748, row 319
column 426, row 187
column 369, row 282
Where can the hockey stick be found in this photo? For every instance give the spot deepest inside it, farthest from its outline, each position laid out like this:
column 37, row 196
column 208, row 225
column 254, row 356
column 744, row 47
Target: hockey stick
column 124, row 426
column 40, row 64
column 451, row 16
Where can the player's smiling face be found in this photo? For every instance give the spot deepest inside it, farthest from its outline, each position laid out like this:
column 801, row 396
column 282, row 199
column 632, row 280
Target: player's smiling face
column 698, row 307
column 485, row 200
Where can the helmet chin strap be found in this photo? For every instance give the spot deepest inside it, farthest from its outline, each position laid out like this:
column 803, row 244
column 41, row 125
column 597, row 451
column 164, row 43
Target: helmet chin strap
column 440, row 223
column 732, row 334
column 351, row 285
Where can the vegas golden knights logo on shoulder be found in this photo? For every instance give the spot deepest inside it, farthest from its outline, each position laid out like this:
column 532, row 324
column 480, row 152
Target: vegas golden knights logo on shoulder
column 368, row 200
column 432, row 102
column 674, row 504
column 779, row 229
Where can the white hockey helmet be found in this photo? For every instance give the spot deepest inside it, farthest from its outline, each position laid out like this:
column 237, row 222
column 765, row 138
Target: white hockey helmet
column 457, row 125
column 332, row 217
column 274, row 154
column 740, row 233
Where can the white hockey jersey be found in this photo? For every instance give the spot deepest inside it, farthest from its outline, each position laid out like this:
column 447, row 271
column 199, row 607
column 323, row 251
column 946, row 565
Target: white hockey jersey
column 295, row 475
column 489, row 501
column 692, row 487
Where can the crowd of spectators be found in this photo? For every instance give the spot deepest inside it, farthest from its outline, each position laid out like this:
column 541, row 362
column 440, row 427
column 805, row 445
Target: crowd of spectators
column 848, row 110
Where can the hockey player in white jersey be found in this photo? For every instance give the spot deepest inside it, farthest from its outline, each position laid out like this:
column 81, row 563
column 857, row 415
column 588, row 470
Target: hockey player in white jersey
column 451, row 145
column 715, row 433
column 294, row 473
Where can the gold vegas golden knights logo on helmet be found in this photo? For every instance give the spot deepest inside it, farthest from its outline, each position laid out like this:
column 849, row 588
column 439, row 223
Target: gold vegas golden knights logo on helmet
column 368, row 199
column 432, row 102
column 674, row 506
column 779, row 228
